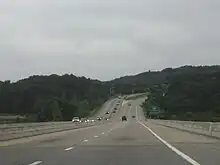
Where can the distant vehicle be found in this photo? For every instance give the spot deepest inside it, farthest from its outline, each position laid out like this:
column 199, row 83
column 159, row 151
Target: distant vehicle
column 114, row 112
column 107, row 113
column 124, row 118
column 75, row 119
column 83, row 119
column 107, row 118
column 99, row 118
column 133, row 116
column 115, row 108
column 118, row 104
column 129, row 104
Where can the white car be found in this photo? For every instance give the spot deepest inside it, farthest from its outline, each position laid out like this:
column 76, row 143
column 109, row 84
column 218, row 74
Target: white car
column 76, row 119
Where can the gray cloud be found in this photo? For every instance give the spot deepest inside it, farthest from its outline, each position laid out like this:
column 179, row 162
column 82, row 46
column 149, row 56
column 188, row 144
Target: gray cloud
column 106, row 39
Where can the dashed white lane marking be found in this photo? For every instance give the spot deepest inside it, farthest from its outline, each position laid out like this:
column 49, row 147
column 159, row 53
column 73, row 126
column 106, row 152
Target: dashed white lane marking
column 85, row 140
column 103, row 133
column 178, row 152
column 95, row 136
column 35, row 163
column 70, row 148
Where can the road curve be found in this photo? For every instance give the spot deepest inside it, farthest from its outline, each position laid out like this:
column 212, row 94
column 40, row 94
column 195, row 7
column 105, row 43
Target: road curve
column 115, row 143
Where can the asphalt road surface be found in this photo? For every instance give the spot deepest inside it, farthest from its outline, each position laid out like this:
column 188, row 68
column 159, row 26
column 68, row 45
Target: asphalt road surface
column 135, row 142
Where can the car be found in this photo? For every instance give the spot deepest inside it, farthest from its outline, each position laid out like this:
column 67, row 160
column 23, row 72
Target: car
column 129, row 104
column 87, row 121
column 75, row 119
column 114, row 112
column 115, row 108
column 133, row 116
column 99, row 118
column 107, row 118
column 124, row 118
column 107, row 113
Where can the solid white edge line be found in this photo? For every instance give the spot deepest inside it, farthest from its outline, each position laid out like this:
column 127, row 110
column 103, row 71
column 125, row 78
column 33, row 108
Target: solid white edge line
column 35, row 163
column 70, row 148
column 178, row 152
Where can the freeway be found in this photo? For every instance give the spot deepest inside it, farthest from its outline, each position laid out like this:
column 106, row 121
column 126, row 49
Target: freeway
column 114, row 143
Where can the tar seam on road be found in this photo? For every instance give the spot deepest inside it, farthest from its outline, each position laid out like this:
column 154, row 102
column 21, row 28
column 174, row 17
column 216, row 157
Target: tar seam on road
column 178, row 152
column 70, row 148
column 36, row 163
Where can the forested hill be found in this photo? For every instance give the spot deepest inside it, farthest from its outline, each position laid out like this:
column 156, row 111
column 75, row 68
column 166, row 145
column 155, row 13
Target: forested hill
column 187, row 92
column 52, row 97
column 158, row 77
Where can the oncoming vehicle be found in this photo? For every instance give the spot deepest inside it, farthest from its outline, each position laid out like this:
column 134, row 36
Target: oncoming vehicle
column 133, row 116
column 75, row 119
column 107, row 118
column 124, row 118
column 99, row 118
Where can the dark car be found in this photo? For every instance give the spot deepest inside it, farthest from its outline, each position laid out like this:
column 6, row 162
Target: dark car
column 133, row 116
column 124, row 118
column 129, row 104
column 107, row 113
column 114, row 112
column 115, row 108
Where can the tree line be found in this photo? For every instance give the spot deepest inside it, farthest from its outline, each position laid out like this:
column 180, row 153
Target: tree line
column 188, row 93
column 47, row 98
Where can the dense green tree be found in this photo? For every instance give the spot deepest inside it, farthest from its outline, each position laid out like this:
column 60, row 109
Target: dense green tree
column 187, row 92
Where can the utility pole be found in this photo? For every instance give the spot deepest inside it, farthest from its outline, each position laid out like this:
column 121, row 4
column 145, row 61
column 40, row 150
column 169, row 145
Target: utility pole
column 111, row 90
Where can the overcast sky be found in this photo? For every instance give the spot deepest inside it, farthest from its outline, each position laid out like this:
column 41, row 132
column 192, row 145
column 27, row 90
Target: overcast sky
column 105, row 39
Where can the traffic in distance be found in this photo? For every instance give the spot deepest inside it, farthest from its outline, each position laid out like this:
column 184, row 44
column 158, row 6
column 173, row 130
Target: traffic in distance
column 100, row 118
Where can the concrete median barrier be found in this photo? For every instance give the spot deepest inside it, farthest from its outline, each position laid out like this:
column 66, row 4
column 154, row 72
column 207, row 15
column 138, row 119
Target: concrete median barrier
column 16, row 131
column 211, row 129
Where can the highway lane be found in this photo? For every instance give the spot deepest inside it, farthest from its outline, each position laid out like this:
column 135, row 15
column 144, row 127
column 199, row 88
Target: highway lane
column 115, row 143
column 107, row 107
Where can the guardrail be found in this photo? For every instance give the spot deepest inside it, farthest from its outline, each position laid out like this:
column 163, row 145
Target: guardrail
column 211, row 129
column 16, row 131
